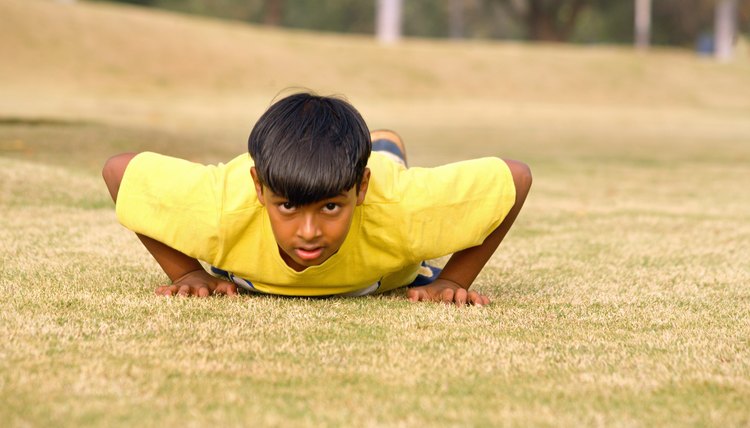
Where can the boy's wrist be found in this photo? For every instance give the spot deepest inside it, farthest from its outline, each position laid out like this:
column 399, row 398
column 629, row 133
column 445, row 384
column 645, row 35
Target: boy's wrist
column 186, row 274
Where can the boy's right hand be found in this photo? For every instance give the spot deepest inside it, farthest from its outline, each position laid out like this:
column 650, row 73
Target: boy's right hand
column 198, row 283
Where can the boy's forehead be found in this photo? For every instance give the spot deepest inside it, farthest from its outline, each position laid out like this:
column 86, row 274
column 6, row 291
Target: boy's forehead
column 343, row 193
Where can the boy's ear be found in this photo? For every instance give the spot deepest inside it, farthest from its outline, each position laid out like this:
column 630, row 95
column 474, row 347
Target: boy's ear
column 363, row 186
column 258, row 186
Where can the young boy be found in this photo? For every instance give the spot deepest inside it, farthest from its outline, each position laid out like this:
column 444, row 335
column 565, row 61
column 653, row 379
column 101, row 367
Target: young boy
column 311, row 212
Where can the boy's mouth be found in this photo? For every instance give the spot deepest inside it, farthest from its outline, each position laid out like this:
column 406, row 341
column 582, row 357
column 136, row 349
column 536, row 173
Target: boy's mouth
column 309, row 253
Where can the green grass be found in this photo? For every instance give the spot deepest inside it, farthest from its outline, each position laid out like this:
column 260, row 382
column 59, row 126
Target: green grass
column 620, row 297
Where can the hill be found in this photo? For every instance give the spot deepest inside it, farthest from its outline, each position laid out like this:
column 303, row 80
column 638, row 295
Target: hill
column 102, row 60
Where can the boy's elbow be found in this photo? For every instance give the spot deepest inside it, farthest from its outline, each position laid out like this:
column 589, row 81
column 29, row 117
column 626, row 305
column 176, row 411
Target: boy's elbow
column 113, row 171
column 522, row 177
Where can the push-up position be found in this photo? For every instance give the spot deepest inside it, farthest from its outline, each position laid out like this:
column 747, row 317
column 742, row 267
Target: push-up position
column 320, row 207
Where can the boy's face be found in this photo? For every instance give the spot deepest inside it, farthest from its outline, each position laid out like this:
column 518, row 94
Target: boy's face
column 308, row 235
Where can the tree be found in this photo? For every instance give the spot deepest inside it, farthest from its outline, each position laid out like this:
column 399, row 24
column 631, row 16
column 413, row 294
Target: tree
column 547, row 20
column 273, row 12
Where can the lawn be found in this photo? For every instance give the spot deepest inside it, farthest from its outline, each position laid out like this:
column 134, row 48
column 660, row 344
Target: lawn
column 620, row 298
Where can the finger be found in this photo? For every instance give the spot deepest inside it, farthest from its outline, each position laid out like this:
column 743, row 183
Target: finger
column 184, row 291
column 414, row 295
column 460, row 297
column 482, row 300
column 477, row 299
column 160, row 290
column 203, row 292
column 169, row 290
column 447, row 295
column 226, row 288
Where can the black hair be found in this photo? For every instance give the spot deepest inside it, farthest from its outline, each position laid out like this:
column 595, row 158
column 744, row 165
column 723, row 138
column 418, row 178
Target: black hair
column 307, row 148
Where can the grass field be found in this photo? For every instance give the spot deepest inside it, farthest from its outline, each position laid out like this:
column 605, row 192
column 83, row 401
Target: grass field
column 620, row 298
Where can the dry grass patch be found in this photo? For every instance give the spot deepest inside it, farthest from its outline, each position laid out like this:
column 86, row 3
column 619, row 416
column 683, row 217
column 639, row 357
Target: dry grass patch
column 605, row 312
column 620, row 297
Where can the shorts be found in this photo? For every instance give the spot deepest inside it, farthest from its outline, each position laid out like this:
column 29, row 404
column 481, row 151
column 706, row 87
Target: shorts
column 426, row 275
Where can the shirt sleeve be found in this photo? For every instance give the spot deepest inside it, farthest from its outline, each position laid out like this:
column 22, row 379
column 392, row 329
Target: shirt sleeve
column 173, row 201
column 455, row 206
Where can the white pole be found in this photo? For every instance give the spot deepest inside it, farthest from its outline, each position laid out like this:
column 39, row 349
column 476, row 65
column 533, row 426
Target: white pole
column 388, row 25
column 725, row 29
column 642, row 24
column 456, row 18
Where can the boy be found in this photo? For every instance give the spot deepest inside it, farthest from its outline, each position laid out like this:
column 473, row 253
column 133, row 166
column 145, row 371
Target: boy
column 312, row 213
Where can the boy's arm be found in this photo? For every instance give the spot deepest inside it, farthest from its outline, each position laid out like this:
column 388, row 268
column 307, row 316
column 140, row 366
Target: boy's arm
column 186, row 273
column 463, row 267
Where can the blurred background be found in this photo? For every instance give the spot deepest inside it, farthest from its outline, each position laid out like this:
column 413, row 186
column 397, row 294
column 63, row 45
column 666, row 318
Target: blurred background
column 151, row 61
column 685, row 23
column 536, row 79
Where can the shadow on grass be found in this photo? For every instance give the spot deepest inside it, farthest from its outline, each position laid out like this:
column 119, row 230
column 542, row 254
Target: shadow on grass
column 41, row 121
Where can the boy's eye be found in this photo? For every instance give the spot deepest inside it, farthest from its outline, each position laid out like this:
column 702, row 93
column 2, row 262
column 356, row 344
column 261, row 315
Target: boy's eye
column 330, row 207
column 287, row 206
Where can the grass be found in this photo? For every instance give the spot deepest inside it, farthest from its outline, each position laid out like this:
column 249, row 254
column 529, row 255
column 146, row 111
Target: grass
column 619, row 298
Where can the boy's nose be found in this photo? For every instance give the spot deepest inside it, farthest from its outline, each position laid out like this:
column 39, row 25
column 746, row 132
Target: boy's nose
column 309, row 229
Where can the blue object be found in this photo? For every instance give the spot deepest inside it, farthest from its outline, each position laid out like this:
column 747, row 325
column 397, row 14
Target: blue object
column 705, row 45
column 389, row 146
column 421, row 279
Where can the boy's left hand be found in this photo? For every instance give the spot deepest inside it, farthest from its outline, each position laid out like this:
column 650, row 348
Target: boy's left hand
column 445, row 291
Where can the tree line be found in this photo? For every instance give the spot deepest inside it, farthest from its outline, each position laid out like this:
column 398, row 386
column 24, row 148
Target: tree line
column 674, row 22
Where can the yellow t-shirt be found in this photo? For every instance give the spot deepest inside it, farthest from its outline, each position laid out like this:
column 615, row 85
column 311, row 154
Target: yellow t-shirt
column 212, row 213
